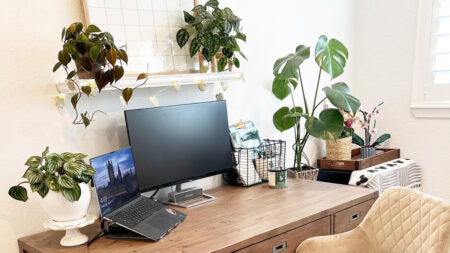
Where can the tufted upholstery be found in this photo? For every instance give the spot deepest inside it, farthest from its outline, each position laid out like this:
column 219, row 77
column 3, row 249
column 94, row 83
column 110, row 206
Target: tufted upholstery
column 401, row 220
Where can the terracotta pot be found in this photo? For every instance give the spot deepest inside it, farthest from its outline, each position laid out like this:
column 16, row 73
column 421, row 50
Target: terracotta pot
column 339, row 149
column 61, row 210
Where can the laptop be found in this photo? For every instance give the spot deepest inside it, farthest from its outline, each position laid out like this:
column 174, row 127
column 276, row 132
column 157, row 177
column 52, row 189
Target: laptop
column 121, row 203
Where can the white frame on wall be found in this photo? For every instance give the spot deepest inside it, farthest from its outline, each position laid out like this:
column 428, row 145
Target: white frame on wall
column 427, row 98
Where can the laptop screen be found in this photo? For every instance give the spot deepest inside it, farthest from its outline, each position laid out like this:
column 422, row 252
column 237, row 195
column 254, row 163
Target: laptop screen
column 115, row 181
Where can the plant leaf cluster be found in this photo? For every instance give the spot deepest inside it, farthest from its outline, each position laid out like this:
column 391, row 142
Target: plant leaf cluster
column 60, row 173
column 93, row 51
column 212, row 30
column 331, row 57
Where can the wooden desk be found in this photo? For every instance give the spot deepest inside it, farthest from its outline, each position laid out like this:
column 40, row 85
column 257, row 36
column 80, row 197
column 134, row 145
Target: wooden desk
column 253, row 219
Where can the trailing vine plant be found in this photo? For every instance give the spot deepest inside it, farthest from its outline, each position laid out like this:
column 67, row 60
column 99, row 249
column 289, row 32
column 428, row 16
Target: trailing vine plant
column 97, row 57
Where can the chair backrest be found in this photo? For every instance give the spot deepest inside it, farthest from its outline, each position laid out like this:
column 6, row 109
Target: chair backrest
column 403, row 220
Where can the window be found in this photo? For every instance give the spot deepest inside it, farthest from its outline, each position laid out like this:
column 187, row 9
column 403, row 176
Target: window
column 431, row 91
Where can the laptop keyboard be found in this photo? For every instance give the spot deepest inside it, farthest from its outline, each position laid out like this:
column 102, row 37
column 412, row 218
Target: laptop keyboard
column 136, row 212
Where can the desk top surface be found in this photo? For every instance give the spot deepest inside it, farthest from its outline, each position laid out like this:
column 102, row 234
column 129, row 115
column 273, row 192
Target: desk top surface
column 239, row 217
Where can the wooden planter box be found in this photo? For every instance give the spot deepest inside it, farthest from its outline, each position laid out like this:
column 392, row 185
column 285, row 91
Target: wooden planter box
column 357, row 163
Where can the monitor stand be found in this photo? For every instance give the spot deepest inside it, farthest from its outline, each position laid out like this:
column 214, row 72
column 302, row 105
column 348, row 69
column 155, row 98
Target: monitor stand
column 188, row 197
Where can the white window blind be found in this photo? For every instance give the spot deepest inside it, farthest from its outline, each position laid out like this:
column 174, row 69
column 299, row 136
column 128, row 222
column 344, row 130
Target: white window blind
column 441, row 32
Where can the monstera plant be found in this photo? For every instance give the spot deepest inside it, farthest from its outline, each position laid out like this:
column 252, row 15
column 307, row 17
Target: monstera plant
column 331, row 57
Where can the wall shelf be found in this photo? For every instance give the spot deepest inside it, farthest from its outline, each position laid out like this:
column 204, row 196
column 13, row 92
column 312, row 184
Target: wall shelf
column 163, row 80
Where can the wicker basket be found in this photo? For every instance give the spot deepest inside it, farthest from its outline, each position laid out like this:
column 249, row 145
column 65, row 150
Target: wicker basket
column 340, row 149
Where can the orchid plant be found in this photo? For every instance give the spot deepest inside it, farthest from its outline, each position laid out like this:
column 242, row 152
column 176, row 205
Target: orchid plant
column 369, row 123
column 348, row 130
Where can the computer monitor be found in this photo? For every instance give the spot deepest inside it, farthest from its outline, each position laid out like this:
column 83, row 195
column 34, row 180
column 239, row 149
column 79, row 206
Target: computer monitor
column 176, row 144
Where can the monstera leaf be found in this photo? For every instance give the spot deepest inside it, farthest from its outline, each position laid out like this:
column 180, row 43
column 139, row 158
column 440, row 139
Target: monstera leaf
column 331, row 56
column 290, row 63
column 340, row 95
column 280, row 87
column 284, row 119
column 328, row 126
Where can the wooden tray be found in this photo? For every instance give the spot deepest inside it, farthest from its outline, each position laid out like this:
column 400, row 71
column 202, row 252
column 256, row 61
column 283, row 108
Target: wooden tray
column 357, row 163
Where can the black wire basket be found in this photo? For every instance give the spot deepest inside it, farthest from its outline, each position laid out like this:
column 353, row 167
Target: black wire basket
column 252, row 165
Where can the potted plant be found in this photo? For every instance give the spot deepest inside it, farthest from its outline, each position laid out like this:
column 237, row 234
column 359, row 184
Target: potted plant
column 367, row 149
column 213, row 33
column 341, row 148
column 331, row 57
column 96, row 57
column 62, row 182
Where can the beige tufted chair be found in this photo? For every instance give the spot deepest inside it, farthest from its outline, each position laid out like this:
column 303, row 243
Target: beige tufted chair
column 401, row 220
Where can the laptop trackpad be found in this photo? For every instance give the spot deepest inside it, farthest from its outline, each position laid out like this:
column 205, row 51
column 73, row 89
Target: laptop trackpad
column 157, row 225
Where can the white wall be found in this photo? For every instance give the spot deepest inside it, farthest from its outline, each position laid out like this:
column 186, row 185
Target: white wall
column 30, row 121
column 385, row 43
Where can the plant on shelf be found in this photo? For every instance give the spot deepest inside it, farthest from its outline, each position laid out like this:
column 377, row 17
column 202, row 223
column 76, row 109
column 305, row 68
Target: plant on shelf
column 331, row 57
column 60, row 173
column 95, row 56
column 212, row 30
column 340, row 148
column 368, row 149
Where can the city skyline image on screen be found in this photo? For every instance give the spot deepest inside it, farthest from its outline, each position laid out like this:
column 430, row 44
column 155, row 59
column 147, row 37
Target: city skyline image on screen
column 115, row 180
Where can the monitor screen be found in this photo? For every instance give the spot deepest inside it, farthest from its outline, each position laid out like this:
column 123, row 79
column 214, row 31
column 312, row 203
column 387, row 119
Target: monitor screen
column 115, row 181
column 175, row 144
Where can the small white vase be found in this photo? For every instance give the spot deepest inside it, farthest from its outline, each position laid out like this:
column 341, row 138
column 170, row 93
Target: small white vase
column 61, row 210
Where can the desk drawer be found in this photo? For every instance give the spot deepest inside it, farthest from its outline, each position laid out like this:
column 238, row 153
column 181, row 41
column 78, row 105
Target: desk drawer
column 350, row 218
column 289, row 241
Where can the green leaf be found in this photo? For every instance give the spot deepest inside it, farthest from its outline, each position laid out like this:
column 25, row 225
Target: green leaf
column 280, row 87
column 80, row 156
column 85, row 178
column 44, row 153
column 182, row 37
column 92, row 29
column 290, row 63
column 86, row 89
column 63, row 33
column 43, row 190
column 71, row 74
column 63, row 57
column 241, row 36
column 52, row 183
column 331, row 56
column 188, row 18
column 381, row 139
column 141, row 76
column 81, row 38
column 66, row 156
column 89, row 170
column 296, row 113
column 57, row 65
column 127, row 93
column 73, row 168
column 54, row 162
column 339, row 95
column 94, row 52
column 74, row 100
column 123, row 55
column 66, row 182
column 283, row 123
column 86, row 120
column 236, row 62
column 212, row 3
column 221, row 64
column 72, row 194
column 111, row 55
column 194, row 47
column 356, row 139
column 36, row 186
column 328, row 126
column 34, row 161
column 18, row 193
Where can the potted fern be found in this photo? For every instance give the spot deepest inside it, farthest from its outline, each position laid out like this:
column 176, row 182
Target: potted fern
column 331, row 57
column 62, row 182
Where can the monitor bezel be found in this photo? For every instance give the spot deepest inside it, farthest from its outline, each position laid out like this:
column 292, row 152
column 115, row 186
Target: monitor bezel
column 184, row 180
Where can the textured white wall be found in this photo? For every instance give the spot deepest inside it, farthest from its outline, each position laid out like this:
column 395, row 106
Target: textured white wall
column 30, row 121
column 385, row 44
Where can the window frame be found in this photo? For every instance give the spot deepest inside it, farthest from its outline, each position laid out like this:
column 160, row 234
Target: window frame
column 427, row 98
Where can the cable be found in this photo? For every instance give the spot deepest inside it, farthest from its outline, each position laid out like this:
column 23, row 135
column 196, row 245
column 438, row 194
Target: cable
column 100, row 234
column 153, row 195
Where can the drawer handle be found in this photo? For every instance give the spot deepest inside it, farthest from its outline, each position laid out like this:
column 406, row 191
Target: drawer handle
column 355, row 216
column 279, row 247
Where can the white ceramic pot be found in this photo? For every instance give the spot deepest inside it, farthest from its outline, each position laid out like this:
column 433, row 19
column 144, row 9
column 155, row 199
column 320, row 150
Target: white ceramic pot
column 61, row 210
